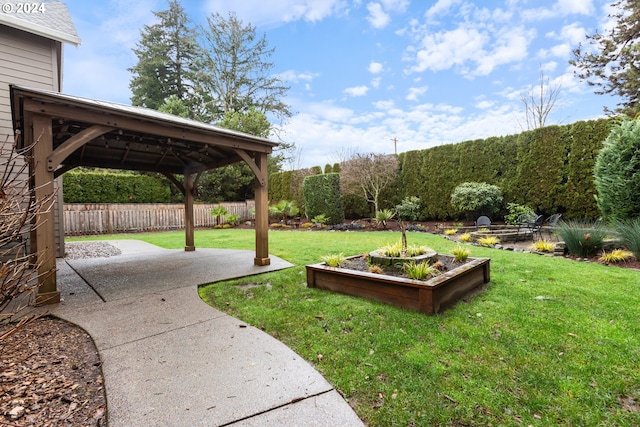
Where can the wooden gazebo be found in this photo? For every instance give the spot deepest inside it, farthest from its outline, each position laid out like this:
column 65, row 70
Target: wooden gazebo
column 68, row 131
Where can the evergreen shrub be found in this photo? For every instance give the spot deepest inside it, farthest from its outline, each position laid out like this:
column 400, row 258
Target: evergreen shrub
column 617, row 172
column 476, row 198
column 322, row 197
column 98, row 187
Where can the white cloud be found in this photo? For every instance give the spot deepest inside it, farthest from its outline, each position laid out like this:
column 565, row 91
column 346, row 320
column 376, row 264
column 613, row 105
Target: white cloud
column 375, row 82
column 441, row 7
column 416, row 92
column 276, row 12
column 509, row 47
column 294, row 76
column 483, row 105
column 560, row 9
column 442, row 50
column 375, row 67
column 377, row 16
column 356, row 91
column 395, row 5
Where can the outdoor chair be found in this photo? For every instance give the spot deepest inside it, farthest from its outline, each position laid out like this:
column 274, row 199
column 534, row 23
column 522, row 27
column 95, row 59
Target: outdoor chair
column 483, row 221
column 536, row 227
column 550, row 223
column 523, row 224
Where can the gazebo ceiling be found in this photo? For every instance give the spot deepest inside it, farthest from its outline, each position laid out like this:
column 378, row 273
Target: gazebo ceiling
column 93, row 133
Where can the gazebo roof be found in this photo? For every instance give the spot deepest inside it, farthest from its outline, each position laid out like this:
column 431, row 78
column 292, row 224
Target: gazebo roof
column 88, row 132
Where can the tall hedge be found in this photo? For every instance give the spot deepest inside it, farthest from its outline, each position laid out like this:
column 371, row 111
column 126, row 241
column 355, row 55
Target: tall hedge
column 95, row 187
column 322, row 196
column 549, row 169
column 586, row 142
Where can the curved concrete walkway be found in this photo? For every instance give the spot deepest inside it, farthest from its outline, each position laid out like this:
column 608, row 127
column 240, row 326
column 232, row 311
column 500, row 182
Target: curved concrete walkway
column 169, row 359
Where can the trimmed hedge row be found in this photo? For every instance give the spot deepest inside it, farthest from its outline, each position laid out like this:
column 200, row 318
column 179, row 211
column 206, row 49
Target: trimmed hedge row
column 93, row 187
column 549, row 169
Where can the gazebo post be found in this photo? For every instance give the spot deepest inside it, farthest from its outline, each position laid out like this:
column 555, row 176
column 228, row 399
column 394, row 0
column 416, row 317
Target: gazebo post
column 40, row 136
column 262, row 213
column 188, row 212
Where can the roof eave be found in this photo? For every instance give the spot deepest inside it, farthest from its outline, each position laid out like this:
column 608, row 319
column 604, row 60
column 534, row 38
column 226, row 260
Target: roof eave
column 40, row 30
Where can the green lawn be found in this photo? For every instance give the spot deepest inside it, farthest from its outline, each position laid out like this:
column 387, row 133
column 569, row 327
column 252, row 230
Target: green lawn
column 550, row 342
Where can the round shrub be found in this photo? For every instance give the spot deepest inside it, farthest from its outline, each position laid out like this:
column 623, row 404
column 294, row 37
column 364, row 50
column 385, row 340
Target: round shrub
column 473, row 199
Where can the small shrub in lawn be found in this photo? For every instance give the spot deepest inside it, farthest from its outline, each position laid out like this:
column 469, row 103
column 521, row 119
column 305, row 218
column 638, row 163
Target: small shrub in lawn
column 615, row 256
column 542, row 246
column 334, row 260
column 465, row 237
column 450, row 231
column 418, row 270
column 629, row 232
column 583, row 238
column 489, row 240
column 460, row 253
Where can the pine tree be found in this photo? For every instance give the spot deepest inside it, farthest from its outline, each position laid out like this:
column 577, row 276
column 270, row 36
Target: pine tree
column 167, row 53
column 614, row 64
column 238, row 69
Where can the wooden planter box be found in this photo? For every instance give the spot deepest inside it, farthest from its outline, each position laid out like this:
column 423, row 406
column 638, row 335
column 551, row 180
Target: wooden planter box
column 431, row 296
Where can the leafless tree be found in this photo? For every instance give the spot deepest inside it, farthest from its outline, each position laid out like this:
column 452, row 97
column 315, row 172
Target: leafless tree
column 368, row 175
column 19, row 214
column 539, row 103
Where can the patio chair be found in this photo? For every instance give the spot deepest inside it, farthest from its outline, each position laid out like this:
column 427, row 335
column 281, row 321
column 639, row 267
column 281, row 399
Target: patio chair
column 483, row 221
column 523, row 224
column 550, row 223
column 536, row 227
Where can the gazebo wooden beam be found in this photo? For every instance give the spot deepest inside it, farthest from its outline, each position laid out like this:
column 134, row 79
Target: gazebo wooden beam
column 72, row 144
column 40, row 135
column 262, row 213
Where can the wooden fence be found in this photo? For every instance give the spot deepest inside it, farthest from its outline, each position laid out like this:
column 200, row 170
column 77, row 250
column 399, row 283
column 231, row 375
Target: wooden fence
column 129, row 218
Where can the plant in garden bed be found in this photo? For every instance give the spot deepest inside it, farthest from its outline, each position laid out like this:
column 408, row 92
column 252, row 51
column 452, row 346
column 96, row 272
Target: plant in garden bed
column 419, row 270
column 582, row 238
column 383, row 216
column 465, row 237
column 489, row 240
column 409, row 209
column 219, row 212
column 615, row 256
column 542, row 246
column 335, row 260
column 460, row 253
column 629, row 233
column 319, row 220
column 450, row 231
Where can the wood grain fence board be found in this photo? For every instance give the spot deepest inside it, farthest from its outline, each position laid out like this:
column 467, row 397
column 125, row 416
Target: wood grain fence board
column 98, row 218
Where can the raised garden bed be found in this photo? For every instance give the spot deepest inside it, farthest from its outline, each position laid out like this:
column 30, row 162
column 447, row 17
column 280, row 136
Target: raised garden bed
column 426, row 296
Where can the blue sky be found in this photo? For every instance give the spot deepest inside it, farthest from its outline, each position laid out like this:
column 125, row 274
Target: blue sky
column 363, row 73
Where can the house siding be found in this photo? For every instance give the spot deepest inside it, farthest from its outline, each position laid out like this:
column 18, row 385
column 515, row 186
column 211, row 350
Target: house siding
column 33, row 61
